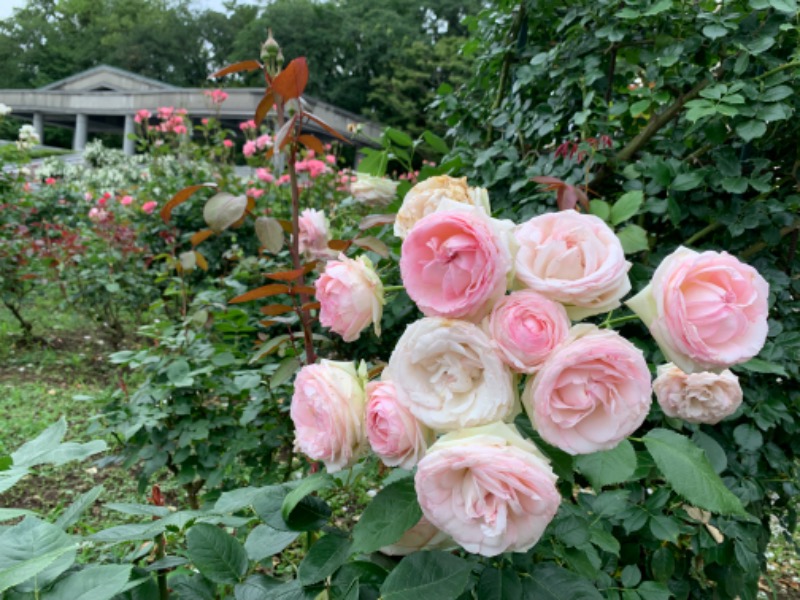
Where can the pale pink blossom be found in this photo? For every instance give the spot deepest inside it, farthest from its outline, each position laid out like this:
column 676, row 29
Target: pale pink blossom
column 697, row 397
column 454, row 265
column 216, row 96
column 249, row 148
column 488, row 488
column 88, row 196
column 149, row 206
column 525, row 327
column 263, row 141
column 142, row 116
column 394, row 434
column 592, row 392
column 227, row 143
column 264, row 175
column 314, row 233
column 247, row 125
column 255, row 193
column 575, row 259
column 328, row 413
column 706, row 310
column 283, row 179
column 126, row 200
column 330, row 159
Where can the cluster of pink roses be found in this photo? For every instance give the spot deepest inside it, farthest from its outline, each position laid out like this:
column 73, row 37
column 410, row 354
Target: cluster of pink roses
column 216, row 96
column 454, row 372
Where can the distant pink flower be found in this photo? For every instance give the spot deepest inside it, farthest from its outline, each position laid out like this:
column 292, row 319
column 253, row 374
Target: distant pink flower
column 265, row 175
column 330, row 159
column 255, row 193
column 182, row 112
column 263, row 141
column 216, row 96
column 149, row 206
column 165, row 112
column 126, row 200
column 50, row 181
column 180, row 129
column 99, row 215
column 142, row 115
column 245, row 125
column 88, row 196
column 283, row 179
column 227, row 143
column 204, row 121
column 249, row 148
column 27, row 187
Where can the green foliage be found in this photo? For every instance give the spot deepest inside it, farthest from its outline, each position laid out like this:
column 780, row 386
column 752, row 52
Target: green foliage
column 427, row 575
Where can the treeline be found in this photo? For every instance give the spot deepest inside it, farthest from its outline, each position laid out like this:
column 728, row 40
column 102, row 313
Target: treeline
column 382, row 59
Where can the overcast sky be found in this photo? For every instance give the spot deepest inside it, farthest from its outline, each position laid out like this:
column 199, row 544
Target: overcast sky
column 7, row 6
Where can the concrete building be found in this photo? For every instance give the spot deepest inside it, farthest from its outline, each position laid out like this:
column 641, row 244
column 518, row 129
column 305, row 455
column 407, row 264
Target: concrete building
column 105, row 99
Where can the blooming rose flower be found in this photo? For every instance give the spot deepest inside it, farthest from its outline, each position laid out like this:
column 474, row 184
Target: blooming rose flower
column 249, row 148
column 453, row 264
column 394, row 434
column 328, row 413
column 373, row 191
column 227, row 143
column 707, row 311
column 697, row 397
column 351, row 297
column 525, row 327
column 425, row 197
column 265, row 175
column 149, row 206
column 591, row 392
column 488, row 488
column 449, row 377
column 422, row 536
column 314, row 234
column 575, row 259
column 126, row 200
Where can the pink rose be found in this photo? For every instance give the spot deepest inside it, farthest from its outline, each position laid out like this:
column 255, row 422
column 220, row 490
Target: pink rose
column 488, row 488
column 591, row 392
column 525, row 327
column 575, row 259
column 227, row 143
column 149, row 206
column 126, row 200
column 422, row 536
column 249, row 148
column 697, row 397
column 264, row 175
column 448, row 376
column 394, row 434
column 351, row 297
column 707, row 311
column 454, row 265
column 314, row 234
column 50, row 181
column 328, row 413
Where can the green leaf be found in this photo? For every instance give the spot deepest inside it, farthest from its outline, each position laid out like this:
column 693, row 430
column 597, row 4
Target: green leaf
column 631, row 576
column 24, row 570
column 638, row 108
column 663, row 528
column 29, row 539
column 284, row 372
column 499, row 584
column 48, row 449
column 264, row 541
column 659, row 7
column 714, row 31
column 192, row 587
column 748, row 438
column 551, row 582
column 435, row 142
column 633, row 239
column 398, row 137
column 93, row 583
column 784, row 6
column 392, row 512
column 6, row 514
column 758, row 365
column 752, row 129
column 178, row 373
column 714, row 452
column 325, row 556
column 256, row 587
column 307, row 486
column 76, row 509
column 129, row 533
column 217, row 555
column 735, row 185
column 626, row 207
column 684, row 182
column 653, row 590
column 772, row 112
column 688, row 471
column 611, row 466
column 427, row 575
column 600, row 209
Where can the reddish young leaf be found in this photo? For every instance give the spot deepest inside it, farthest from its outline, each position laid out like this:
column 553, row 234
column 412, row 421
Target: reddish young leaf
column 304, row 289
column 374, row 244
column 261, row 292
column 181, row 197
column 310, row 306
column 201, row 261
column 291, row 82
column 340, row 245
column 312, row 143
column 263, row 107
column 286, row 225
column 371, row 221
column 275, row 309
column 291, row 275
column 245, row 65
column 201, row 236
column 375, row 371
column 266, row 323
column 326, row 127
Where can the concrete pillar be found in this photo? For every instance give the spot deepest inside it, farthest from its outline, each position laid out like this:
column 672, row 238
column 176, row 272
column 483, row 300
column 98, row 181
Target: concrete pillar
column 38, row 126
column 128, row 144
column 81, row 129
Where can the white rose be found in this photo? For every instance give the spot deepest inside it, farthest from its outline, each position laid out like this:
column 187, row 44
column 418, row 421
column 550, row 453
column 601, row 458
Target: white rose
column 449, row 377
column 373, row 191
column 425, row 198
